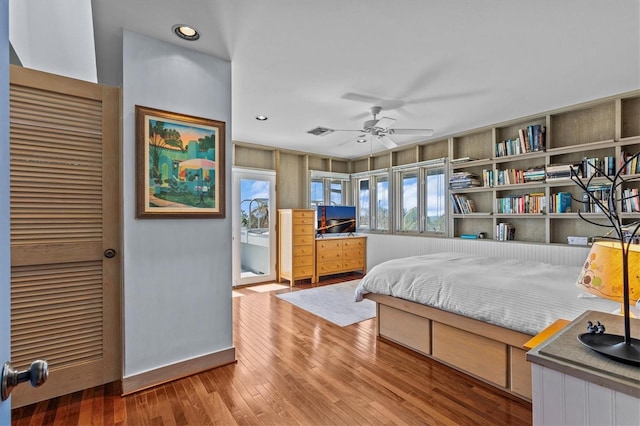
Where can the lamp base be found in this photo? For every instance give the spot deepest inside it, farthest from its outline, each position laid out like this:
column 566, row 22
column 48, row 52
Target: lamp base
column 613, row 346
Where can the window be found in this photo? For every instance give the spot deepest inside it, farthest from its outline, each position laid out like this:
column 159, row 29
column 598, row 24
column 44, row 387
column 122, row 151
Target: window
column 409, row 216
column 382, row 203
column 336, row 196
column 420, row 194
column 364, row 216
column 328, row 188
column 317, row 193
column 435, row 194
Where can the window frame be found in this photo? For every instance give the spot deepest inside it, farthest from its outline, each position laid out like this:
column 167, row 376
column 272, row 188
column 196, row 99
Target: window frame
column 328, row 179
column 372, row 176
column 422, row 170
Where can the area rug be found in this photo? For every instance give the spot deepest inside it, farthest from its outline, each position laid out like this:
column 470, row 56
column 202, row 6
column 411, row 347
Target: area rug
column 334, row 302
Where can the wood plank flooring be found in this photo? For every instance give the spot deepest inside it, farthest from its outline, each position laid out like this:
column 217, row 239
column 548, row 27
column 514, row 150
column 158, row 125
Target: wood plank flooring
column 294, row 368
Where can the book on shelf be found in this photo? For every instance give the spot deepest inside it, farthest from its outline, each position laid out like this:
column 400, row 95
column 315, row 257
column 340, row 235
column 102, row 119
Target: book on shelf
column 595, row 166
column 560, row 202
column 529, row 139
column 555, row 172
column 462, row 204
column 630, row 200
column 520, row 204
column 461, row 180
column 599, row 192
column 535, row 174
column 631, row 168
column 505, row 232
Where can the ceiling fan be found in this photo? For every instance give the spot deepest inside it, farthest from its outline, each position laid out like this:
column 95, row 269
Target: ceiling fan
column 376, row 127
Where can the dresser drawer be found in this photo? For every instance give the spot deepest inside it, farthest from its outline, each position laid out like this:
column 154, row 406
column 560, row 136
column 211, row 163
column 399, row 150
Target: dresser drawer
column 303, row 230
column 353, row 254
column 329, row 267
column 303, row 261
column 353, row 243
column 303, row 240
column 351, row 264
column 329, row 244
column 302, row 250
column 303, row 271
column 303, row 218
column 329, row 255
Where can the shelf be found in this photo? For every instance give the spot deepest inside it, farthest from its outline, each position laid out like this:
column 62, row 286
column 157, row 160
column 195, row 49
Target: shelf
column 471, row 163
column 598, row 129
column 520, row 215
column 590, row 146
column 540, row 184
column 474, row 214
column 520, row 157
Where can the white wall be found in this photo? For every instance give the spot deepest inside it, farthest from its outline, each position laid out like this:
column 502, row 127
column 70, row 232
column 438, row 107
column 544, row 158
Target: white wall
column 384, row 247
column 54, row 36
column 177, row 272
column 5, row 252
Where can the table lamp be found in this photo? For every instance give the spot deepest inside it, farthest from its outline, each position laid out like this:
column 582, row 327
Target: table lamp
column 612, row 271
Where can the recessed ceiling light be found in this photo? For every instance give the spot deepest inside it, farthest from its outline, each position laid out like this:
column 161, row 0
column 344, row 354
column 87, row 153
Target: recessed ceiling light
column 361, row 140
column 261, row 117
column 186, row 32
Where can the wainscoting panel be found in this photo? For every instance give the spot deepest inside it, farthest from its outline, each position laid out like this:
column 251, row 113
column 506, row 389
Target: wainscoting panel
column 381, row 248
column 561, row 399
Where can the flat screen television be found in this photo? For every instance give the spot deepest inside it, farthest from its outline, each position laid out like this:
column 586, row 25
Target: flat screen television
column 336, row 220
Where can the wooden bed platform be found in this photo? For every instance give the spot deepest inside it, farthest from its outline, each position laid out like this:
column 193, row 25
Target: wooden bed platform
column 485, row 351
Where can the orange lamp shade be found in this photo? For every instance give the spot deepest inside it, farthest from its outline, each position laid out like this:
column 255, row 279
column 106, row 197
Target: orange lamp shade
column 602, row 271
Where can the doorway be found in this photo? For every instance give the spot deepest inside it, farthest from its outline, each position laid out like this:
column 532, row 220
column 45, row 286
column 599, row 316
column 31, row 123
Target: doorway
column 253, row 221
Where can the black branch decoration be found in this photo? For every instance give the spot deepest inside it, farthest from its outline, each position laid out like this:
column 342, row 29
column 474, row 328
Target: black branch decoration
column 609, row 206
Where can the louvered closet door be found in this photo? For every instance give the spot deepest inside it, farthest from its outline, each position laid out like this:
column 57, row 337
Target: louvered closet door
column 65, row 294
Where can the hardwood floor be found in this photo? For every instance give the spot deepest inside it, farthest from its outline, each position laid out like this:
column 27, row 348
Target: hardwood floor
column 295, row 368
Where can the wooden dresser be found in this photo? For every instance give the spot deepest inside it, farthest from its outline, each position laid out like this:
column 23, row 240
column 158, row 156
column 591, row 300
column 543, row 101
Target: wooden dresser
column 335, row 255
column 296, row 252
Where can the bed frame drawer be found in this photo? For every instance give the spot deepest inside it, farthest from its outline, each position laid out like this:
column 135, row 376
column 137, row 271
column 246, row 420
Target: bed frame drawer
column 520, row 373
column 405, row 328
column 470, row 353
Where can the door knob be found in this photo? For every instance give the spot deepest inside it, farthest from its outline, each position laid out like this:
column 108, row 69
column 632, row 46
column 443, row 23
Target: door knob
column 109, row 253
column 36, row 374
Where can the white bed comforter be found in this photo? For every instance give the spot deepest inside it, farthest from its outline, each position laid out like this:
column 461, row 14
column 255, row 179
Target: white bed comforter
column 516, row 294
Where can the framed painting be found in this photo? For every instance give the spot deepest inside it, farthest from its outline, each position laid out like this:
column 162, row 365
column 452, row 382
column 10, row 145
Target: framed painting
column 179, row 165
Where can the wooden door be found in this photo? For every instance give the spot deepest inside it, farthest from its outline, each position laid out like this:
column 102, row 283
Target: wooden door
column 65, row 213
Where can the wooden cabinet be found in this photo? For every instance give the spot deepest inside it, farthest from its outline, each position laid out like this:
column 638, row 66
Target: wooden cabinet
column 296, row 250
column 335, row 255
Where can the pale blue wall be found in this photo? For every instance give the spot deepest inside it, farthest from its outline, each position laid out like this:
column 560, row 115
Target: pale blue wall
column 177, row 301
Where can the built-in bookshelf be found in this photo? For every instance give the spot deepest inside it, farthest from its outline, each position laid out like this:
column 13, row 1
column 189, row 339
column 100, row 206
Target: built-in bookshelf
column 526, row 187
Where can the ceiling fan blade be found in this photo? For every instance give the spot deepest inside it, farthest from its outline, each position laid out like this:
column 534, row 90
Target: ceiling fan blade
column 385, row 122
column 386, row 104
column 360, row 98
column 420, row 132
column 387, row 142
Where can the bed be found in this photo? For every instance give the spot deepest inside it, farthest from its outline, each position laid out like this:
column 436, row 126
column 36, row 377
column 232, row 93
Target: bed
column 474, row 313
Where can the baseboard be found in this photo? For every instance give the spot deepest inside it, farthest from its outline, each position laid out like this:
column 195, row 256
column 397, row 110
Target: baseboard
column 177, row 371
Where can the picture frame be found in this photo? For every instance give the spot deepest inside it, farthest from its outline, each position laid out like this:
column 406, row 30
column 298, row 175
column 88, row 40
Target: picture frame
column 180, row 165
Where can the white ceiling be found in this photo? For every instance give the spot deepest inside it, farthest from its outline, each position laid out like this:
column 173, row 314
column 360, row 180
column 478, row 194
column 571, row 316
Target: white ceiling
column 442, row 64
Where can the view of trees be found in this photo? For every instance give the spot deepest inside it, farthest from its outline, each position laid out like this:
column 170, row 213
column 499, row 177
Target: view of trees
column 160, row 137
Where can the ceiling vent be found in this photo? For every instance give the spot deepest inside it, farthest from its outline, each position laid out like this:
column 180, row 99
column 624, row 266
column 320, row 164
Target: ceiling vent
column 320, row 131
